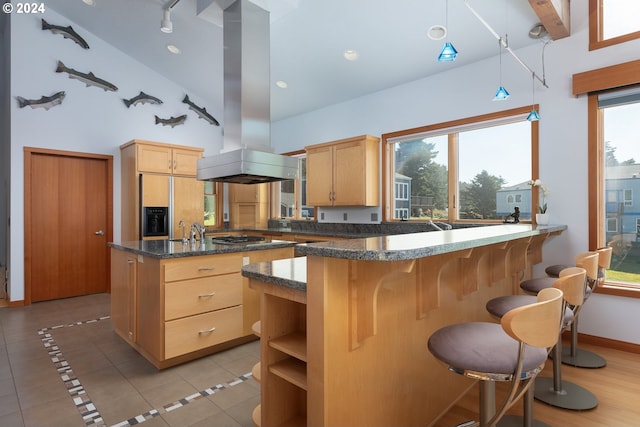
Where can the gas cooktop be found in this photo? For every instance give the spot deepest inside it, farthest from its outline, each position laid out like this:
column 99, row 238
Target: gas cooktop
column 230, row 240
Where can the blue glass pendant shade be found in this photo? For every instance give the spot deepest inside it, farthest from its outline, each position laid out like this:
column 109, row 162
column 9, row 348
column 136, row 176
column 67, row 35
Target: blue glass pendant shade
column 533, row 116
column 501, row 94
column 448, row 53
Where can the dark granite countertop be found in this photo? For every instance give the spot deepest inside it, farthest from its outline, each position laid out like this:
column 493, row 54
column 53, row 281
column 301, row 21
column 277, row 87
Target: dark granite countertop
column 291, row 273
column 418, row 245
column 175, row 249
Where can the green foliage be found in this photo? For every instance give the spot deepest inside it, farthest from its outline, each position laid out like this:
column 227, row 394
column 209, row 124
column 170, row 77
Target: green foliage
column 479, row 197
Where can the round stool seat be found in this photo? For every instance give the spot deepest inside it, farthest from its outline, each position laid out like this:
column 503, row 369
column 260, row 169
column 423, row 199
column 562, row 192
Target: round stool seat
column 501, row 305
column 533, row 286
column 554, row 270
column 484, row 348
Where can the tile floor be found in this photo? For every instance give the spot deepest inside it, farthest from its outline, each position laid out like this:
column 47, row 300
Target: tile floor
column 61, row 364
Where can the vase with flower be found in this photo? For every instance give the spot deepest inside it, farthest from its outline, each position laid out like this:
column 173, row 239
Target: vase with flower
column 542, row 217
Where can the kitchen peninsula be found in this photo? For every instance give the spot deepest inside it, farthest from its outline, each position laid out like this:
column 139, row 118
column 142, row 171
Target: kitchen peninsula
column 344, row 329
column 175, row 301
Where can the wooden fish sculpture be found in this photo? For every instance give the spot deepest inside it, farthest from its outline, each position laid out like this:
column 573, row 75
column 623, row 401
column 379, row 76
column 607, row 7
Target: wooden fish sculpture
column 89, row 78
column 45, row 102
column 141, row 98
column 200, row 111
column 66, row 32
column 172, row 121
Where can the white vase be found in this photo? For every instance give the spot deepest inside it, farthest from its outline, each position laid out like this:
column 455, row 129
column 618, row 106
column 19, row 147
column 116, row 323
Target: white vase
column 542, row 218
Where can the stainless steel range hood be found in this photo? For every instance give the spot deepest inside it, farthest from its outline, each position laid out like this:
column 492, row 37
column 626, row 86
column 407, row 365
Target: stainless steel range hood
column 247, row 156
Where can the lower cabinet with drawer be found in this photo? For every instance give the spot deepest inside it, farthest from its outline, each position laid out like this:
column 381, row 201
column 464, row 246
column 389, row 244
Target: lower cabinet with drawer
column 189, row 307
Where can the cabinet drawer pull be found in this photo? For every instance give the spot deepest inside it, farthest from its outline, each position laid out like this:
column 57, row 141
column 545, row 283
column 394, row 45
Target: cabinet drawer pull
column 206, row 331
column 207, row 295
column 206, row 268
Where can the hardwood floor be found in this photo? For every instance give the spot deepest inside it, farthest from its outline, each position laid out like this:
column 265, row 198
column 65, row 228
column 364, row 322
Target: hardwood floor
column 616, row 386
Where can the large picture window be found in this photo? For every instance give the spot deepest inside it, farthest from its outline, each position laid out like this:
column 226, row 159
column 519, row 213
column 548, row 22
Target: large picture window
column 618, row 113
column 612, row 22
column 454, row 171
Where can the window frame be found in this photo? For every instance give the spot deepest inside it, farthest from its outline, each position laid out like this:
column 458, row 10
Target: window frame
column 596, row 28
column 593, row 83
column 388, row 172
column 274, row 193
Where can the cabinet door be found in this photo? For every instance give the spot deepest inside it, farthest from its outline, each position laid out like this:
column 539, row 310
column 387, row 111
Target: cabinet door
column 154, row 190
column 319, row 176
column 188, row 204
column 124, row 294
column 154, row 159
column 185, row 162
column 247, row 193
column 348, row 174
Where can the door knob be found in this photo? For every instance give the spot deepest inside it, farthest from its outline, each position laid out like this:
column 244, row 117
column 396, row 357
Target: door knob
column 99, row 233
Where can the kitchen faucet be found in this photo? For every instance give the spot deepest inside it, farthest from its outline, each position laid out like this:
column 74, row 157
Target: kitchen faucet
column 198, row 228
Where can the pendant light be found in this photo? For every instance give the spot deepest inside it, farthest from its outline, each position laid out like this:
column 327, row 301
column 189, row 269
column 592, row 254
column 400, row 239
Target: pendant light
column 448, row 52
column 501, row 93
column 533, row 115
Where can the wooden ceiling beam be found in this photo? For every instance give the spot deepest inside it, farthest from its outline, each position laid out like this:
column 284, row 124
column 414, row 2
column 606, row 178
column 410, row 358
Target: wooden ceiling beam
column 554, row 15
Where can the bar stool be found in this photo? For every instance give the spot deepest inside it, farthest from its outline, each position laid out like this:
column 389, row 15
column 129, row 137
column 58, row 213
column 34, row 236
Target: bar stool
column 514, row 350
column 573, row 355
column 553, row 390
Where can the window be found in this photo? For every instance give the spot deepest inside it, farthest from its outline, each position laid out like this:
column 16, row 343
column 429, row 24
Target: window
column 612, row 22
column 453, row 171
column 287, row 196
column 210, row 204
column 618, row 112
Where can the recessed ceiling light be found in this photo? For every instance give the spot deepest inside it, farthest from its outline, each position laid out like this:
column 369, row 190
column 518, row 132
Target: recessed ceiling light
column 174, row 49
column 89, row 2
column 437, row 32
column 350, row 55
column 282, row 84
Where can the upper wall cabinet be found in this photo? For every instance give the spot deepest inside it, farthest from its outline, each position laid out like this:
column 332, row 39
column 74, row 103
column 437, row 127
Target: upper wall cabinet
column 157, row 158
column 344, row 172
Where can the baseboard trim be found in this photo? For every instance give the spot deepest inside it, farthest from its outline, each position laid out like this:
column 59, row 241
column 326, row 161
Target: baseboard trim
column 604, row 342
column 19, row 303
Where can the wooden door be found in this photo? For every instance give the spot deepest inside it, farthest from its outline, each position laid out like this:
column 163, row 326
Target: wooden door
column 68, row 222
column 185, row 162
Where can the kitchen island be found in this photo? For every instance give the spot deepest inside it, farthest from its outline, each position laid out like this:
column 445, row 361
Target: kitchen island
column 344, row 329
column 175, row 301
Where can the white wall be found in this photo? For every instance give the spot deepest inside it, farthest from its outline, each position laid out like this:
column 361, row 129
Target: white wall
column 89, row 119
column 467, row 91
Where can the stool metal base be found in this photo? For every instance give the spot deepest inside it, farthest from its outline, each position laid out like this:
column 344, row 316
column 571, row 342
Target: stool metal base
column 571, row 397
column 518, row 421
column 582, row 359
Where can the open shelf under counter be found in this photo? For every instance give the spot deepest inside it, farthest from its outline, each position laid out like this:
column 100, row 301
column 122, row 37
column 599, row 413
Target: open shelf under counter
column 293, row 344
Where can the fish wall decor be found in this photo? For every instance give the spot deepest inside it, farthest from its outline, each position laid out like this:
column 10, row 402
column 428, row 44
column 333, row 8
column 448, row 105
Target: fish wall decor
column 141, row 98
column 66, row 32
column 87, row 78
column 202, row 112
column 172, row 121
column 45, row 102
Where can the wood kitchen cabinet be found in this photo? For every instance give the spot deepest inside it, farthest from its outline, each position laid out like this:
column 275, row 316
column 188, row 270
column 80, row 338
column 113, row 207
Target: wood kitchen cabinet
column 165, row 159
column 169, row 173
column 248, row 205
column 124, row 294
column 344, row 172
column 172, row 310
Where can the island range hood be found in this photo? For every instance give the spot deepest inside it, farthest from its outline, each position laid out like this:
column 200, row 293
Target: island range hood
column 247, row 156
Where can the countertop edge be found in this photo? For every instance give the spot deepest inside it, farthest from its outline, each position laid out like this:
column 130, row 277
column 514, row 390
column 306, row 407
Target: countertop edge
column 459, row 239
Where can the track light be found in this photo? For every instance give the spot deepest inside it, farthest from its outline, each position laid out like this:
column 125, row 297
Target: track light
column 166, row 26
column 501, row 93
column 533, row 115
column 448, row 52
